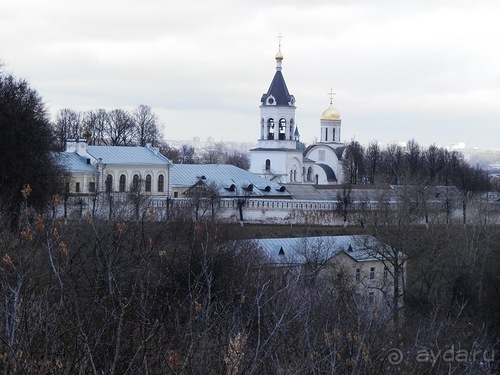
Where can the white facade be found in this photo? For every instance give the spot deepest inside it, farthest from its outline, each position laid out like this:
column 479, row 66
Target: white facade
column 277, row 156
column 280, row 156
column 116, row 169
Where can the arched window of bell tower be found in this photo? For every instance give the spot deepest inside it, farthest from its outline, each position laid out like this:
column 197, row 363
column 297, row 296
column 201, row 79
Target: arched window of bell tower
column 262, row 128
column 292, row 130
column 282, row 129
column 270, row 128
column 268, row 164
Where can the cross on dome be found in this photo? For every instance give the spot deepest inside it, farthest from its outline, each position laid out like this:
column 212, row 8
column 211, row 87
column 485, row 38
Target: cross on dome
column 331, row 94
column 279, row 56
column 279, row 40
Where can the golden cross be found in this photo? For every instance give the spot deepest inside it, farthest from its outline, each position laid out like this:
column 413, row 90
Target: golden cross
column 331, row 94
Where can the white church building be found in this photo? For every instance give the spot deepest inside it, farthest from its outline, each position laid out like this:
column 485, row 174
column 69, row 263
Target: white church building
column 280, row 156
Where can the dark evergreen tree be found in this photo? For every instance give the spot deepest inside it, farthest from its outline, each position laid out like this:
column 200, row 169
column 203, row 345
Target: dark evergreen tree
column 25, row 148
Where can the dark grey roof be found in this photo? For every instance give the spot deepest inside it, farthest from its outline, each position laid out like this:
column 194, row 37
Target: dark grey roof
column 330, row 174
column 278, row 90
column 338, row 148
column 339, row 151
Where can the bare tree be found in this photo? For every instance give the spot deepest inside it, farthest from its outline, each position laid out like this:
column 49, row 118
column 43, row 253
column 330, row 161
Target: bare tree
column 68, row 125
column 172, row 154
column 95, row 124
column 146, row 126
column 353, row 163
column 413, row 159
column 186, row 154
column 239, row 160
column 373, row 159
column 344, row 202
column 434, row 162
column 470, row 181
column 203, row 199
column 393, row 163
column 118, row 128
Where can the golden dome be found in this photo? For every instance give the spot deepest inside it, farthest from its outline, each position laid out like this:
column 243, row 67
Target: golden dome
column 330, row 114
column 279, row 56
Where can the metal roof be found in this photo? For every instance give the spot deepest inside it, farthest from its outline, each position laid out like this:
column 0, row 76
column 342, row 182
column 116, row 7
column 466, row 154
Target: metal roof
column 74, row 163
column 299, row 250
column 127, row 155
column 229, row 179
column 278, row 90
column 330, row 173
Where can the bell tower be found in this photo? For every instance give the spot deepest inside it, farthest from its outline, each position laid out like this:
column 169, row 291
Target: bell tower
column 277, row 156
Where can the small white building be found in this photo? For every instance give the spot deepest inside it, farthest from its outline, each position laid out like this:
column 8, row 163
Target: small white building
column 115, row 169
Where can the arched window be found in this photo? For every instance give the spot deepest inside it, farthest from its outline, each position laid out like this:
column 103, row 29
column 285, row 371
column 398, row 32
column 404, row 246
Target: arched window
column 309, row 174
column 109, row 183
column 148, row 183
column 161, row 183
column 282, row 129
column 123, row 183
column 135, row 182
column 333, row 131
column 268, row 164
column 326, row 134
column 270, row 128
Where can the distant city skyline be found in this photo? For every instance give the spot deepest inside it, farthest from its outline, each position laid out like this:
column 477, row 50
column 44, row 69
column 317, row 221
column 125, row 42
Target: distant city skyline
column 423, row 70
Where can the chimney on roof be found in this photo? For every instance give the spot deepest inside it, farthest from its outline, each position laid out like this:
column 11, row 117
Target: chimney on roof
column 81, row 146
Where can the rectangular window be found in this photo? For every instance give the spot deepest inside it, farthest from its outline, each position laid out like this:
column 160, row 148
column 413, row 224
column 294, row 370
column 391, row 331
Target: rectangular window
column 321, row 155
column 92, row 187
column 77, row 187
column 66, row 187
column 372, row 273
column 386, row 272
column 358, row 274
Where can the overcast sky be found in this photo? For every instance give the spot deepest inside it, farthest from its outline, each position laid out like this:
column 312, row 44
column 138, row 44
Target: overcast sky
column 425, row 69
